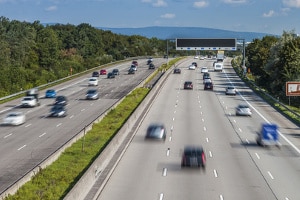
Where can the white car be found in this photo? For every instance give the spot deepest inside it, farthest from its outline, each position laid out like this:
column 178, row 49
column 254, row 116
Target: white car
column 243, row 110
column 230, row 90
column 93, row 81
column 204, row 69
column 29, row 101
column 14, row 118
column 192, row 67
column 196, row 57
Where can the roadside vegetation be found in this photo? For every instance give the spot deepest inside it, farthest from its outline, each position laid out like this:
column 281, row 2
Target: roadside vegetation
column 56, row 180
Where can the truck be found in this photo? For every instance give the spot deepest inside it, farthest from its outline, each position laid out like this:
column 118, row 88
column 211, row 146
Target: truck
column 220, row 56
column 268, row 135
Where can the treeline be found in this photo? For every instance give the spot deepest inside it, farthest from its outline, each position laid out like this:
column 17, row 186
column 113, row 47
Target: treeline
column 273, row 61
column 32, row 54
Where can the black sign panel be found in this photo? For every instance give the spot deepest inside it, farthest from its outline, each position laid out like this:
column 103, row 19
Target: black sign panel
column 205, row 44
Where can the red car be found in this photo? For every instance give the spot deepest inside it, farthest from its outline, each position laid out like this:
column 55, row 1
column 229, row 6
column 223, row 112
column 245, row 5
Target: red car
column 103, row 72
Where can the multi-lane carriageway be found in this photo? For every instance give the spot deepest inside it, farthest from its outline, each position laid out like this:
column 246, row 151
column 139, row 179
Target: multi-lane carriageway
column 236, row 167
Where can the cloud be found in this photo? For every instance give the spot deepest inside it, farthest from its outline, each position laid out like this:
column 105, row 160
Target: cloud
column 200, row 4
column 269, row 14
column 51, row 8
column 292, row 3
column 160, row 3
column 234, row 1
column 146, row 1
column 168, row 16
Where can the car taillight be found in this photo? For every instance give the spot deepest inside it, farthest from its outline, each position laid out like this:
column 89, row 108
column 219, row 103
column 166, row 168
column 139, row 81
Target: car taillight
column 203, row 158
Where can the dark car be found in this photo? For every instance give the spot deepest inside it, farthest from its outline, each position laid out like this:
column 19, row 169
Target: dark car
column 194, row 63
column 188, row 85
column 193, row 156
column 131, row 71
column 177, row 71
column 149, row 61
column 156, row 132
column 92, row 94
column 95, row 74
column 151, row 66
column 116, row 71
column 60, row 100
column 110, row 75
column 58, row 111
column 135, row 63
column 208, row 86
column 206, row 75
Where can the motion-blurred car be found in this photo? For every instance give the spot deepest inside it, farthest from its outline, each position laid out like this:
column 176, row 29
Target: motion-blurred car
column 134, row 67
column 131, row 71
column 207, row 80
column 135, row 62
column 50, row 94
column 103, row 72
column 208, row 86
column 14, row 118
column 196, row 57
column 156, row 132
column 149, row 61
column 58, row 111
column 192, row 67
column 95, row 74
column 206, row 75
column 93, row 81
column 204, row 69
column 116, row 72
column 177, row 71
column 243, row 109
column 92, row 94
column 193, row 156
column 29, row 101
column 194, row 63
column 111, row 75
column 61, row 100
column 230, row 90
column 151, row 66
column 188, row 85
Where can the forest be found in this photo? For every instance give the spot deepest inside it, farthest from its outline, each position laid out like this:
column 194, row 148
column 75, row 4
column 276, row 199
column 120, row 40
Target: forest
column 32, row 54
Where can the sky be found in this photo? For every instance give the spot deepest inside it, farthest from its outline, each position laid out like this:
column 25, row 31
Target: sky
column 263, row 16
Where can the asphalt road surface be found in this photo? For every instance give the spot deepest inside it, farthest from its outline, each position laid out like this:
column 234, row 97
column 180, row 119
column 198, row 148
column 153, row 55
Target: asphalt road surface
column 237, row 168
column 24, row 147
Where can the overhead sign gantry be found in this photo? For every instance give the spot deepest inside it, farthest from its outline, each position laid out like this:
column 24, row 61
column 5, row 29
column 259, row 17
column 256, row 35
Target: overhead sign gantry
column 206, row 44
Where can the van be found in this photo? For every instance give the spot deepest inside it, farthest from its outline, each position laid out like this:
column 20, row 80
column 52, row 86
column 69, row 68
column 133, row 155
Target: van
column 218, row 66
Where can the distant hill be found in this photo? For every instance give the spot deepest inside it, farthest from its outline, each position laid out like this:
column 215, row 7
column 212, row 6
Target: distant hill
column 185, row 32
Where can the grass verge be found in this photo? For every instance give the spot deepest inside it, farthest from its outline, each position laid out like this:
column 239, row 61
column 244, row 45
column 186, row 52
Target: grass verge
column 55, row 181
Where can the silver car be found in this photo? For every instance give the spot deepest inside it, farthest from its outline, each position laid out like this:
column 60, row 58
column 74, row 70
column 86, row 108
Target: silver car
column 243, row 109
column 230, row 90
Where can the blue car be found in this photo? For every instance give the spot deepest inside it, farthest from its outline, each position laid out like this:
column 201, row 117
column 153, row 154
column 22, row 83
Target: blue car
column 50, row 94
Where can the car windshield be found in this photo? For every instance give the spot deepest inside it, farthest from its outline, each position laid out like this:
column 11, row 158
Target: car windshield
column 243, row 106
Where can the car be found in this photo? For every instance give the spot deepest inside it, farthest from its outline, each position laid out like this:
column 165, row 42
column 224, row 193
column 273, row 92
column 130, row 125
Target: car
column 151, row 66
column 230, row 90
column 95, row 74
column 206, row 75
column 103, row 72
column 177, row 71
column 14, row 118
column 58, row 110
column 134, row 67
column 135, row 63
column 50, row 93
column 131, row 71
column 193, row 156
column 92, row 94
column 194, row 63
column 204, row 70
column 61, row 100
column 111, row 75
column 208, row 86
column 202, row 57
column 93, row 81
column 149, row 61
column 196, row 57
column 156, row 131
column 243, row 110
column 29, row 101
column 116, row 72
column 188, row 85
column 207, row 80
column 192, row 67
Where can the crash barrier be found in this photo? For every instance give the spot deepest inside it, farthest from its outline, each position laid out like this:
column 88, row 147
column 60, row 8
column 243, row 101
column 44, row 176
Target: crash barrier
column 93, row 181
column 12, row 189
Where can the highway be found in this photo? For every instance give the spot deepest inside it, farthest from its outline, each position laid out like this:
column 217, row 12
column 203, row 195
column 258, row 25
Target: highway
column 24, row 147
column 237, row 168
